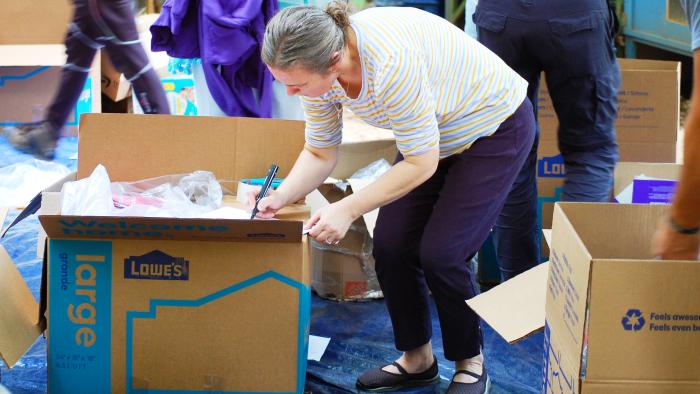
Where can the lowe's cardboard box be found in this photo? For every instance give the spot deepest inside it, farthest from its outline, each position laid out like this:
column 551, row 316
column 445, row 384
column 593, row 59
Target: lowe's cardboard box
column 31, row 56
column 646, row 126
column 159, row 304
column 346, row 271
column 616, row 320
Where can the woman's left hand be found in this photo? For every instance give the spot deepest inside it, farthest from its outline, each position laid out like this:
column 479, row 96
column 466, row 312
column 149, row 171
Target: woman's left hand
column 330, row 223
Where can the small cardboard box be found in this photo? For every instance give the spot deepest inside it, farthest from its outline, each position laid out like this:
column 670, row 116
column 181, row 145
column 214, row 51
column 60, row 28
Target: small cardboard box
column 346, row 271
column 155, row 304
column 646, row 126
column 616, row 320
column 31, row 56
column 113, row 83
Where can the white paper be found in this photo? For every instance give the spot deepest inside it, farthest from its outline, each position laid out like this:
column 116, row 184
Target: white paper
column 625, row 196
column 371, row 216
column 317, row 346
column 227, row 213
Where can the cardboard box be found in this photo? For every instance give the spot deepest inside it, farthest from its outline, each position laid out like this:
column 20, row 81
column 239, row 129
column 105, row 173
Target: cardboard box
column 646, row 126
column 173, row 304
column 648, row 114
column 31, row 56
column 346, row 271
column 113, row 83
column 617, row 320
column 34, row 22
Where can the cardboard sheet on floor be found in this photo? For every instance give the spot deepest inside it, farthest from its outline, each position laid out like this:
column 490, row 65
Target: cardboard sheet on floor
column 524, row 305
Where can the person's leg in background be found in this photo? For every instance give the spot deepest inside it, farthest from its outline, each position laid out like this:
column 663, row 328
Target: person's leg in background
column 516, row 233
column 115, row 20
column 41, row 139
column 583, row 81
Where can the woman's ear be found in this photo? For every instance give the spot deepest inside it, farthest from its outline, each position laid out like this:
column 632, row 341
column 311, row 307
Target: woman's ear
column 335, row 58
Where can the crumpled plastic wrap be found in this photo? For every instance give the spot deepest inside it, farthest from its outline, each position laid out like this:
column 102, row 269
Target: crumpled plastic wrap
column 356, row 248
column 330, row 287
column 181, row 196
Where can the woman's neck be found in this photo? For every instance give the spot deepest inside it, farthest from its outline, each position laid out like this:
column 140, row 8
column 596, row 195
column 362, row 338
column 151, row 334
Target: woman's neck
column 350, row 77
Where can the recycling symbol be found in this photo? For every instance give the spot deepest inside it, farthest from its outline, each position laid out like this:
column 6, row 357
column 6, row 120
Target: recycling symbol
column 633, row 320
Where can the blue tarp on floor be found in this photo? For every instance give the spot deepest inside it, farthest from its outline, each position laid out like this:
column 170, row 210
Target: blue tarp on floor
column 360, row 332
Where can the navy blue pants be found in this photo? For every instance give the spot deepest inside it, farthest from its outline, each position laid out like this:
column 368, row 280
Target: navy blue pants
column 423, row 240
column 109, row 25
column 572, row 42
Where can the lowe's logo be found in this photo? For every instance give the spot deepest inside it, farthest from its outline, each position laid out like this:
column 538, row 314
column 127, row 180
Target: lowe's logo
column 551, row 167
column 633, row 320
column 156, row 265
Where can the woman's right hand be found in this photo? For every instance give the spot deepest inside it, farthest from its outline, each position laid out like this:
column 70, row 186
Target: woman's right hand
column 268, row 206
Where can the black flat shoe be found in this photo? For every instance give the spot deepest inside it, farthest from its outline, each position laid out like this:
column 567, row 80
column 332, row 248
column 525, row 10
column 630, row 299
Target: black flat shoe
column 481, row 386
column 378, row 380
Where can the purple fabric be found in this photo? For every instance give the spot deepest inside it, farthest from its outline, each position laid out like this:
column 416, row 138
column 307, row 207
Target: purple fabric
column 227, row 35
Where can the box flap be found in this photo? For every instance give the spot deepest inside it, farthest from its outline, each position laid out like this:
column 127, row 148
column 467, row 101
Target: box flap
column 19, row 311
column 567, row 287
column 134, row 147
column 50, row 205
column 516, row 307
column 36, row 203
column 34, row 22
column 649, row 65
column 631, row 226
column 626, row 171
column 356, row 155
column 102, row 227
column 547, row 233
column 370, row 217
column 315, row 200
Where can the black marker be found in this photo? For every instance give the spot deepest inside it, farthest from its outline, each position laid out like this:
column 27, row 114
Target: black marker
column 265, row 187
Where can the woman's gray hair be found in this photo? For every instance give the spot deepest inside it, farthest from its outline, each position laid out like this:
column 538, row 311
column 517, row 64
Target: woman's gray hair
column 306, row 37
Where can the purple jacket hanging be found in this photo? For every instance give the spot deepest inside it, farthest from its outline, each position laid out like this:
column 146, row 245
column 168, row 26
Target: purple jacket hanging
column 227, row 35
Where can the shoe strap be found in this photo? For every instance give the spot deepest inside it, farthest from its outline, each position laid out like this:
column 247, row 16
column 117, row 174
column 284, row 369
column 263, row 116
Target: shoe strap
column 400, row 368
column 470, row 373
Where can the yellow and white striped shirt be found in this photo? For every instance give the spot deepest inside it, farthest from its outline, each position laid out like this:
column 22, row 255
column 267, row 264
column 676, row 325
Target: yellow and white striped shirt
column 423, row 78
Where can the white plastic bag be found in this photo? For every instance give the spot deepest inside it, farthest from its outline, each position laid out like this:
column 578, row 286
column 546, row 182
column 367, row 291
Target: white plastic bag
column 183, row 196
column 89, row 197
column 20, row 182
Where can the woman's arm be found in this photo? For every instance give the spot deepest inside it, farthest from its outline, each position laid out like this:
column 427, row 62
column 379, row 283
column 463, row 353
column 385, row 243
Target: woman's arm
column 331, row 223
column 310, row 170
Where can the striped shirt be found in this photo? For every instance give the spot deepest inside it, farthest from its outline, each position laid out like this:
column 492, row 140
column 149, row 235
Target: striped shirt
column 423, row 78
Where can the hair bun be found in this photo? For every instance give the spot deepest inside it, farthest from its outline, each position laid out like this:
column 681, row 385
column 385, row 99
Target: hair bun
column 339, row 10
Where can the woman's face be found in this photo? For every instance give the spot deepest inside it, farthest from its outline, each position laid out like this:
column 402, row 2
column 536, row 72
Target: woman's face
column 300, row 81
